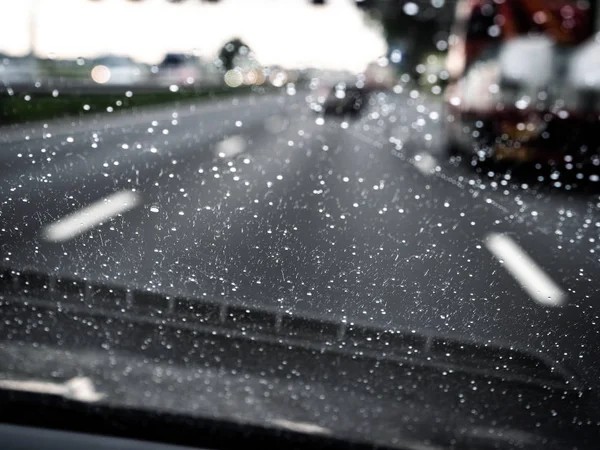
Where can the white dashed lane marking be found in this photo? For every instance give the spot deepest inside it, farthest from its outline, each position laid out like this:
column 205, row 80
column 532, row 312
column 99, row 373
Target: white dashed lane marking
column 540, row 287
column 230, row 147
column 90, row 216
column 425, row 163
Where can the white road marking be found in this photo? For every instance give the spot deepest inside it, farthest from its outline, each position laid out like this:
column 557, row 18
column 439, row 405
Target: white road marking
column 425, row 163
column 528, row 274
column 230, row 147
column 78, row 388
column 90, row 216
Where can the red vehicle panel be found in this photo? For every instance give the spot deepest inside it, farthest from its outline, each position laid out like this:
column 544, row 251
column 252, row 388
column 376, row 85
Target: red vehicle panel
column 518, row 81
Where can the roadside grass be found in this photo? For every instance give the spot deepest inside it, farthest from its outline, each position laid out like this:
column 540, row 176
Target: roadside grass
column 43, row 106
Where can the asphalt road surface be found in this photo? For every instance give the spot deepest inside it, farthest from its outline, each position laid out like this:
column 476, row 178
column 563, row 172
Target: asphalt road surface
column 260, row 200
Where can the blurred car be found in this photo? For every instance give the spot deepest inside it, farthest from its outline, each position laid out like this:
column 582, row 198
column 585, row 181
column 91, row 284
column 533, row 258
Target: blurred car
column 344, row 99
column 17, row 70
column 338, row 99
column 524, row 92
column 117, row 70
column 180, row 69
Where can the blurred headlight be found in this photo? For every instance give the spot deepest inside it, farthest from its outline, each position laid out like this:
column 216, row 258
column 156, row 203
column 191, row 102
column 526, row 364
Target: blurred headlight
column 100, row 74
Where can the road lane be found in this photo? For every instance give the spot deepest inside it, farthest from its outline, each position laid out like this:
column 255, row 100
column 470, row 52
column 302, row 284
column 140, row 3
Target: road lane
column 116, row 161
column 33, row 157
column 127, row 118
column 331, row 217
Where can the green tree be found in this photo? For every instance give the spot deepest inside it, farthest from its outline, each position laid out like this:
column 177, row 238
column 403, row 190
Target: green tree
column 231, row 52
column 418, row 31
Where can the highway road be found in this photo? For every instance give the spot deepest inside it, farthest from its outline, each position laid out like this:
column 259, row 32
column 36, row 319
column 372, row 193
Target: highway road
column 258, row 199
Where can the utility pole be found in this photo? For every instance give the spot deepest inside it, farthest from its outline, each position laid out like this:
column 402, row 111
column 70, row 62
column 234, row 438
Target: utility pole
column 32, row 26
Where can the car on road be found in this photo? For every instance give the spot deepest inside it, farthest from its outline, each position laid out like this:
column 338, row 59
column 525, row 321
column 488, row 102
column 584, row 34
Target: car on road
column 117, row 70
column 525, row 91
column 338, row 99
column 344, row 99
column 179, row 68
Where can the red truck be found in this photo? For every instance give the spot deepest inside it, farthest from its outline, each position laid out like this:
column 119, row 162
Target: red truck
column 525, row 81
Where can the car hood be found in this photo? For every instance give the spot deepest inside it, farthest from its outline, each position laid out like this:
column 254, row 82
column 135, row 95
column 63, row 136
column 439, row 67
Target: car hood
column 223, row 362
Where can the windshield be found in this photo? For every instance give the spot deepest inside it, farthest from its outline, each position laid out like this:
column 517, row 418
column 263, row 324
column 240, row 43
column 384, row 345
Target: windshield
column 425, row 170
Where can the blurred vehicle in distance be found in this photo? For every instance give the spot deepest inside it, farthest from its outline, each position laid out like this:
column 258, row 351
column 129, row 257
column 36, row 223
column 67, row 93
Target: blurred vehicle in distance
column 341, row 98
column 184, row 69
column 178, row 68
column 118, row 70
column 17, row 70
column 344, row 99
column 524, row 82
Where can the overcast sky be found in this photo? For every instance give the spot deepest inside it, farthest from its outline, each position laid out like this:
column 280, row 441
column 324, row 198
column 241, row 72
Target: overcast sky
column 291, row 33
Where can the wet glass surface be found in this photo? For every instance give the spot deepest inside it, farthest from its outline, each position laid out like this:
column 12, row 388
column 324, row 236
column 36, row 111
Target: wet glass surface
column 343, row 163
